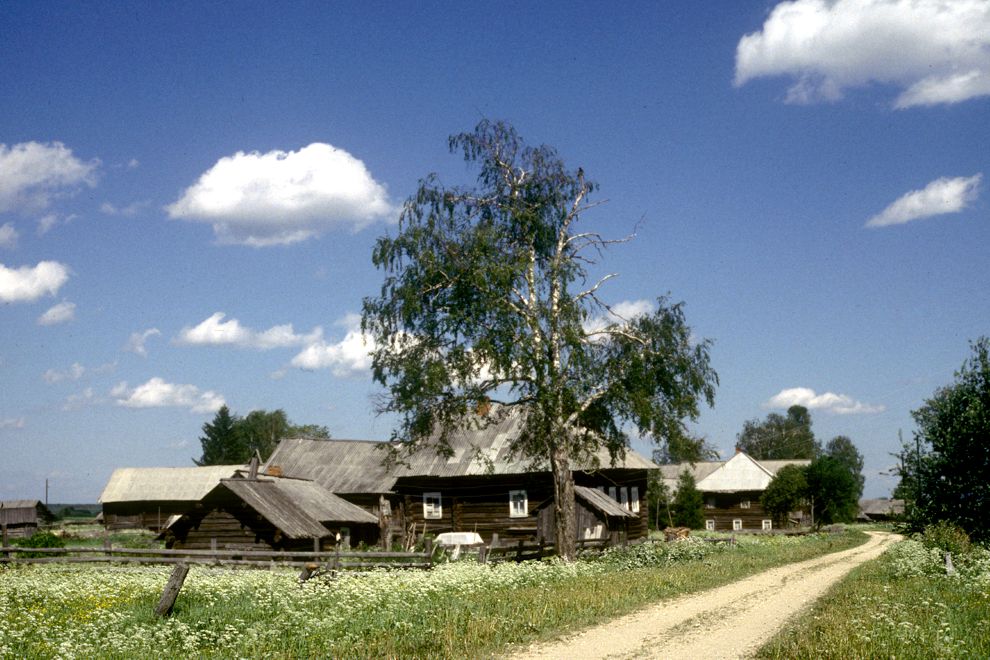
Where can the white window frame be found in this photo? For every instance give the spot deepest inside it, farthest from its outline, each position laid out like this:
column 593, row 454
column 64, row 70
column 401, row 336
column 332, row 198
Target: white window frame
column 737, row 524
column 517, row 497
column 710, row 525
column 744, row 504
column 432, row 506
column 634, row 498
column 767, row 525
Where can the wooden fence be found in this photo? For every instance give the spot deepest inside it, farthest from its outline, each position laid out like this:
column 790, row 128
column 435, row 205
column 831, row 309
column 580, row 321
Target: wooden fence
column 333, row 560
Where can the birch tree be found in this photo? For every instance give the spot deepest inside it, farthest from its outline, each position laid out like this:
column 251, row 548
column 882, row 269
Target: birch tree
column 487, row 298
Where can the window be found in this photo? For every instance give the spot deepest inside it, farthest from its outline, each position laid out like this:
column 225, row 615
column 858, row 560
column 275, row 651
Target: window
column 624, row 498
column 518, row 504
column 767, row 525
column 710, row 525
column 744, row 504
column 611, row 493
column 736, row 525
column 432, row 506
column 634, row 499
column 710, row 503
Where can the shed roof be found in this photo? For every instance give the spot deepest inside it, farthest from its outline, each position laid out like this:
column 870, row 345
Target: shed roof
column 297, row 507
column 174, row 484
column 602, row 502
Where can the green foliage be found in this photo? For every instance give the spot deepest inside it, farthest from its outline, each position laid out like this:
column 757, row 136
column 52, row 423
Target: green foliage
column 832, row 490
column 684, row 448
column 230, row 439
column 688, row 506
column 953, row 464
column 658, row 501
column 40, row 539
column 787, row 492
column 780, row 437
column 946, row 537
column 485, row 300
column 842, row 449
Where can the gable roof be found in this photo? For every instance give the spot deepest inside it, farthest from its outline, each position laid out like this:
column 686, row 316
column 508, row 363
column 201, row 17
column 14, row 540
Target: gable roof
column 742, row 472
column 176, row 484
column 341, row 466
column 297, row 507
column 13, row 512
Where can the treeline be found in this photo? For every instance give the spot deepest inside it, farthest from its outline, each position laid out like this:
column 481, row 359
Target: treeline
column 231, row 439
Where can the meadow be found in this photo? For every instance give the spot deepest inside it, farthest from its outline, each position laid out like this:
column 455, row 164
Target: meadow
column 903, row 605
column 456, row 609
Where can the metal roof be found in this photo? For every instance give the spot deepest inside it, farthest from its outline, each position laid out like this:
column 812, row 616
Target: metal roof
column 176, row 484
column 602, row 502
column 296, row 507
column 341, row 466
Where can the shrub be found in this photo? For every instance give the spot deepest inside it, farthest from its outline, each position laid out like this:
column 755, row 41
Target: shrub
column 39, row 539
column 946, row 537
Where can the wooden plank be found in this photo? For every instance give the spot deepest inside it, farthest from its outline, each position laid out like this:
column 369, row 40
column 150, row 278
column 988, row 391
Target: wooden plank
column 172, row 589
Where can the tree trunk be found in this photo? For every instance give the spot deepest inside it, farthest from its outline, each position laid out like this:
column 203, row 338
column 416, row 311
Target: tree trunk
column 563, row 504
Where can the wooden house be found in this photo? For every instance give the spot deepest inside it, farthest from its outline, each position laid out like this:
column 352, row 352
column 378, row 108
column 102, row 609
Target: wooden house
column 145, row 498
column 880, row 509
column 482, row 487
column 270, row 513
column 22, row 518
column 732, row 489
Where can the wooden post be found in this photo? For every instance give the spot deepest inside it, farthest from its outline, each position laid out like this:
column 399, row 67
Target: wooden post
column 482, row 555
column 428, row 547
column 172, row 590
column 107, row 546
column 6, row 548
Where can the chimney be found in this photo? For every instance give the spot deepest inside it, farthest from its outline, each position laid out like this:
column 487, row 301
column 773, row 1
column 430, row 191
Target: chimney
column 738, row 449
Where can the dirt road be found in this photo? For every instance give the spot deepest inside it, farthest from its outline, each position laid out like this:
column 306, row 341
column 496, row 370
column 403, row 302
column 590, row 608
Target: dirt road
column 732, row 621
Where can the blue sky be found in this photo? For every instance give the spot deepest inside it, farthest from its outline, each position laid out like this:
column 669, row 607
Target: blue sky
column 189, row 195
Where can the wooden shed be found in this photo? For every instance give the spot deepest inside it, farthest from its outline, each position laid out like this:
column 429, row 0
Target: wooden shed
column 145, row 498
column 269, row 512
column 22, row 518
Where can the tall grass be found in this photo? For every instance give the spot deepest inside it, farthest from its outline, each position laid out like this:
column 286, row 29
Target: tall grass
column 456, row 610
column 902, row 605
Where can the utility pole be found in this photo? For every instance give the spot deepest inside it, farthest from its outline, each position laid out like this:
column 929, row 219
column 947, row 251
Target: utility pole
column 46, row 493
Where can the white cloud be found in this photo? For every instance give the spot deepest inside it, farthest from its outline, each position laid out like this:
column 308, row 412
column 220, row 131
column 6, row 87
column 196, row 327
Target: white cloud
column 349, row 357
column 32, row 173
column 137, row 340
column 12, row 423
column 75, row 372
column 130, row 210
column 26, row 284
column 279, row 197
column 8, row 236
column 934, row 51
column 63, row 312
column 621, row 312
column 839, row 404
column 937, row 198
column 156, row 393
column 214, row 331
column 85, row 398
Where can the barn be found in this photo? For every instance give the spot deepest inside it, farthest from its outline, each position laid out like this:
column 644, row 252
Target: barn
column 731, row 489
column 145, row 498
column 22, row 518
column 259, row 513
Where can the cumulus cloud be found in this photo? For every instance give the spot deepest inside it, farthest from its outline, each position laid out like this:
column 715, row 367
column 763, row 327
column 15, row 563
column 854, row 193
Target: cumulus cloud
column 157, row 393
column 935, row 52
column 12, row 423
column 8, row 236
column 621, row 312
column 63, row 312
column 348, row 357
column 137, row 340
column 839, row 404
column 32, row 173
column 75, row 372
column 279, row 197
column 214, row 331
column 937, row 198
column 27, row 283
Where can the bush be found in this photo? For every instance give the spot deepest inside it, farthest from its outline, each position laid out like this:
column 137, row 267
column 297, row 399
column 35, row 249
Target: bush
column 946, row 537
column 39, row 540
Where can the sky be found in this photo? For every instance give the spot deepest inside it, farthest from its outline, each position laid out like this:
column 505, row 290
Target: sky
column 190, row 193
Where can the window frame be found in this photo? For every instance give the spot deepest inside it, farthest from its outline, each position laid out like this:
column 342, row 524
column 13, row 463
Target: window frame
column 432, row 511
column 514, row 512
column 767, row 525
column 745, row 504
column 737, row 524
column 710, row 525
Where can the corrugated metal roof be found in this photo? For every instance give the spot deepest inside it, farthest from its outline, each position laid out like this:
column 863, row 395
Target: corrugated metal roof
column 177, row 484
column 295, row 506
column 341, row 466
column 602, row 502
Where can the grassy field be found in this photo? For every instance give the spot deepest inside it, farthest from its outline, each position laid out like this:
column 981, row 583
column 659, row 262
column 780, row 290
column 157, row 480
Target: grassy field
column 902, row 605
column 455, row 610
